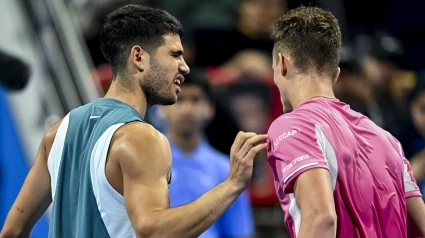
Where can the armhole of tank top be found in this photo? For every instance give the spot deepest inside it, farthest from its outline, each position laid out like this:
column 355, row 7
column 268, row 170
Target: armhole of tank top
column 98, row 162
column 55, row 155
column 98, row 159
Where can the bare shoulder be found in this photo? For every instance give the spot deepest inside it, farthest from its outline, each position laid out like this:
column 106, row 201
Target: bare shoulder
column 138, row 142
column 138, row 134
column 50, row 135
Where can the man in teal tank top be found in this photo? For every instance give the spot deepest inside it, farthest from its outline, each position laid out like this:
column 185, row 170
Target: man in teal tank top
column 106, row 172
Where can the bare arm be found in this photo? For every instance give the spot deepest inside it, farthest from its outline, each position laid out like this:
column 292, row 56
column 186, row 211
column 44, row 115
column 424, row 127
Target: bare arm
column 35, row 195
column 416, row 211
column 145, row 159
column 316, row 201
column 418, row 165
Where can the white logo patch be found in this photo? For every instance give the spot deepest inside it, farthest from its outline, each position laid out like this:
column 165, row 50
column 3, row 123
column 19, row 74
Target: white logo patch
column 285, row 135
column 294, row 162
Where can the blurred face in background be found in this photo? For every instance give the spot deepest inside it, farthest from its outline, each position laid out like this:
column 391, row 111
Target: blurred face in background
column 417, row 110
column 352, row 86
column 191, row 113
column 256, row 17
column 379, row 73
column 251, row 112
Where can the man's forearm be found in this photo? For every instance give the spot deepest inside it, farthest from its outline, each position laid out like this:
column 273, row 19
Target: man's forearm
column 11, row 232
column 194, row 218
column 416, row 210
column 318, row 226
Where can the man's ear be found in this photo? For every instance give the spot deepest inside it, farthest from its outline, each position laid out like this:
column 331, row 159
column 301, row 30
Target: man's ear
column 138, row 57
column 283, row 61
column 336, row 76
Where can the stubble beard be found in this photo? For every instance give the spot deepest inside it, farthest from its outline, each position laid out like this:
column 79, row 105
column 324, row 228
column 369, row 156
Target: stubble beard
column 156, row 86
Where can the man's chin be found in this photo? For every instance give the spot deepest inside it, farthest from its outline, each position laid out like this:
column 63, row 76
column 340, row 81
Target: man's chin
column 167, row 101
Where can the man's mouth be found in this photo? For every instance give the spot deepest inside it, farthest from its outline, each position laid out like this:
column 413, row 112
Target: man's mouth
column 179, row 80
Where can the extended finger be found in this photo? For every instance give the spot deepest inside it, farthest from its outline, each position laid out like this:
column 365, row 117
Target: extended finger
column 240, row 140
column 250, row 143
column 255, row 150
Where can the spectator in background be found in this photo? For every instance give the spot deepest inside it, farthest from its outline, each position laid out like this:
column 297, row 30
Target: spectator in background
column 413, row 140
column 352, row 87
column 249, row 100
column 197, row 166
column 223, row 126
column 215, row 47
column 195, row 14
column 383, row 60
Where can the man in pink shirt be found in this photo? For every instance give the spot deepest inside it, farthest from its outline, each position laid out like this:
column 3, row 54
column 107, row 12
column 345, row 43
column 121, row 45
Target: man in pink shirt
column 336, row 173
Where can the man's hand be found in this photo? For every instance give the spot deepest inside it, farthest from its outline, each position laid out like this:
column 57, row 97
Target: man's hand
column 242, row 155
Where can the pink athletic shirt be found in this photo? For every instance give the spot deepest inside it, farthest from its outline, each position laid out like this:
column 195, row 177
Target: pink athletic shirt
column 370, row 176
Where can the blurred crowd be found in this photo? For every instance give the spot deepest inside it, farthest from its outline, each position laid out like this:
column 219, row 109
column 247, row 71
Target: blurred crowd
column 227, row 43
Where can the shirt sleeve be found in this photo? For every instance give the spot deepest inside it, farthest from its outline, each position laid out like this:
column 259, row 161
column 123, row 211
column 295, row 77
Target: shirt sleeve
column 293, row 149
column 411, row 188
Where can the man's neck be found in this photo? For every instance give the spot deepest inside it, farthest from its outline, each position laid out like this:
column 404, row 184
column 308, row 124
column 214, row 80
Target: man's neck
column 309, row 87
column 131, row 95
column 187, row 143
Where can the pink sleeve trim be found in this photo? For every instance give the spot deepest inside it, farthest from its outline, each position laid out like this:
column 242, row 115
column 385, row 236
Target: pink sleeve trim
column 294, row 175
column 415, row 193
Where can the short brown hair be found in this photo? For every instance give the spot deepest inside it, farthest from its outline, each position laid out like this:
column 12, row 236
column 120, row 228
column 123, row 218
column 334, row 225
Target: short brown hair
column 311, row 36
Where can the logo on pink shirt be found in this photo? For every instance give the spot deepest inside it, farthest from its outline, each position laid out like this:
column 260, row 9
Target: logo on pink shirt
column 285, row 135
column 295, row 161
